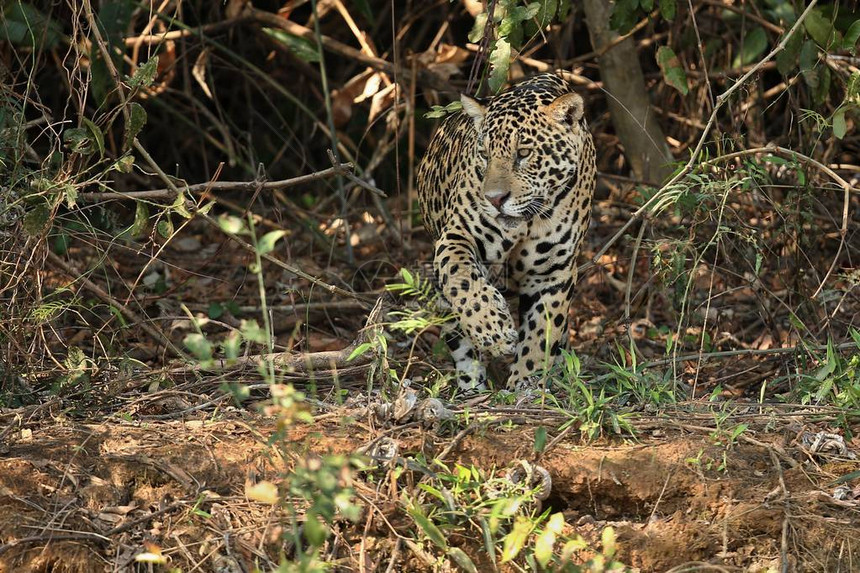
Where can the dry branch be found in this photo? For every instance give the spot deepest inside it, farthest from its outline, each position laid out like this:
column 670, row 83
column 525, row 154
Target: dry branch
column 309, row 362
column 249, row 186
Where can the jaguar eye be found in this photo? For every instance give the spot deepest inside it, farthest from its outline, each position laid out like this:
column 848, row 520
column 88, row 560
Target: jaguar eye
column 524, row 152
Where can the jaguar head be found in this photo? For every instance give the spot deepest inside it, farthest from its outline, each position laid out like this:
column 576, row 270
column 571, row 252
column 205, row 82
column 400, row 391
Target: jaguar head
column 529, row 147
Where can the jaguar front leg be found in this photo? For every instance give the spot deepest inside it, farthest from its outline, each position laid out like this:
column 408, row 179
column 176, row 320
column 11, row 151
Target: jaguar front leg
column 543, row 333
column 471, row 373
column 481, row 309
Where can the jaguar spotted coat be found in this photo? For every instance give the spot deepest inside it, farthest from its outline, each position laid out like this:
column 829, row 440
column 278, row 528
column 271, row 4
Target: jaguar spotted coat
column 505, row 191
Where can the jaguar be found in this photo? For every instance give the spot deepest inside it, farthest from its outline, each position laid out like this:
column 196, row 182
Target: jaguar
column 505, row 190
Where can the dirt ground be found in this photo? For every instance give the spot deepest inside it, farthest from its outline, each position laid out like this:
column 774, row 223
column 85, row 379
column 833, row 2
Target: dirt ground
column 89, row 497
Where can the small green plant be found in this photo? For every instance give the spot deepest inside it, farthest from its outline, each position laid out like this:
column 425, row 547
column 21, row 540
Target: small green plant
column 831, row 377
column 323, row 484
column 467, row 502
column 644, row 386
column 425, row 311
column 595, row 411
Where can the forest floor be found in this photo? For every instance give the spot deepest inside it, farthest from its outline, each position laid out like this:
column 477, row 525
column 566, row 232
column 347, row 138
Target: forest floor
column 115, row 462
column 85, row 496
column 118, row 461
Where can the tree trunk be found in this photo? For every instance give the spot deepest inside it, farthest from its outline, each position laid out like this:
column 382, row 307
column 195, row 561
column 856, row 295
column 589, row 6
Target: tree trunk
column 635, row 124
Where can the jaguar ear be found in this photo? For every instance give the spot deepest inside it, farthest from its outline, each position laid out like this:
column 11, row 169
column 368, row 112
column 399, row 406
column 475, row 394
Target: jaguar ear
column 473, row 109
column 566, row 109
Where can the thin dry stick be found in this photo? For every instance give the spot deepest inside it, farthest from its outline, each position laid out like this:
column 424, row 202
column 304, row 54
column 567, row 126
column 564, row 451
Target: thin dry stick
column 135, row 50
column 177, row 34
column 124, row 310
column 783, row 550
column 339, row 169
column 629, row 289
column 694, row 156
column 660, row 497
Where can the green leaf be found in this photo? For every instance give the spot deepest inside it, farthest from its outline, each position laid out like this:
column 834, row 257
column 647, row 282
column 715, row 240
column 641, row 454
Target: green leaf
column 102, row 81
column 821, row 29
column 37, row 219
column 564, row 8
column 124, row 164
column 432, row 491
column 231, row 224
column 302, row 48
column 855, row 334
column 847, row 477
column 477, row 31
column 70, row 193
column 136, row 121
column 24, row 25
column 808, row 63
column 462, row 559
column 540, row 439
column 215, row 310
column 753, row 45
column 429, row 528
column 516, row 539
column 61, row 244
column 673, row 72
column 556, row 523
column 97, row 135
column 359, row 350
column 821, row 91
column 840, row 127
column 624, row 15
column 547, row 9
column 608, row 539
column 77, row 140
column 543, row 547
column 144, row 75
column 647, row 5
column 851, row 36
column 500, row 60
column 165, row 227
column 668, row 9
column 487, row 535
column 178, row 206
column 786, row 60
column 252, row 332
column 199, row 346
column 113, row 19
column 267, row 241
column 141, row 219
column 315, row 530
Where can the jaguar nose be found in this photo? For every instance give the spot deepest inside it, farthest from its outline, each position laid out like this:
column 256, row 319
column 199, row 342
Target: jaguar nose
column 497, row 198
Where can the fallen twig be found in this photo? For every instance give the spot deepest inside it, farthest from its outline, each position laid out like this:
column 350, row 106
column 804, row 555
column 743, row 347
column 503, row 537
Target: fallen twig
column 308, row 361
